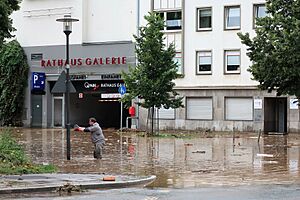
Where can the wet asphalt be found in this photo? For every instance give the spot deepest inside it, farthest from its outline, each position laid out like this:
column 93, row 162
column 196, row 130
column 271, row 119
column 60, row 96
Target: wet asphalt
column 217, row 167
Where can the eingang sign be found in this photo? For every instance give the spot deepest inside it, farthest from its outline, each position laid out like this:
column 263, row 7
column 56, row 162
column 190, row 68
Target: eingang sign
column 98, row 61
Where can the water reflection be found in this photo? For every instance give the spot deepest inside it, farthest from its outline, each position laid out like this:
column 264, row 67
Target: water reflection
column 177, row 162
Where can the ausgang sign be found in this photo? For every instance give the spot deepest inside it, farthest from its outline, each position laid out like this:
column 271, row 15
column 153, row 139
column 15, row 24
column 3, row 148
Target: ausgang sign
column 96, row 61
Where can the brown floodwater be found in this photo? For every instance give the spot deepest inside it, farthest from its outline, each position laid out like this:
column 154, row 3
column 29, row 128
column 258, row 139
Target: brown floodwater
column 177, row 162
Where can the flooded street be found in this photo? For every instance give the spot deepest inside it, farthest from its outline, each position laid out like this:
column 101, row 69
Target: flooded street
column 177, row 162
column 209, row 166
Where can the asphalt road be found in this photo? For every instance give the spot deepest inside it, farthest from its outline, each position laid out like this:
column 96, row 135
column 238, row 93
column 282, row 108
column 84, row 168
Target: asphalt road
column 261, row 192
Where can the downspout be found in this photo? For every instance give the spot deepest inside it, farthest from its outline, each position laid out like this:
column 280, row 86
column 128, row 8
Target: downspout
column 136, row 59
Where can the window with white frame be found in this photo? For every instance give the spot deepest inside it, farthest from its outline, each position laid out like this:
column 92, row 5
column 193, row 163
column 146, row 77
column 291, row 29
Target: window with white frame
column 175, row 39
column 167, row 4
column 259, row 11
column 204, row 19
column 204, row 62
column 232, row 17
column 232, row 61
column 172, row 20
column 238, row 108
column 199, row 108
column 178, row 60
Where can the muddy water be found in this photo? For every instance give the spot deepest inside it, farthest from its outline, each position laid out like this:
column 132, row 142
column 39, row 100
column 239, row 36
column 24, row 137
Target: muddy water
column 177, row 162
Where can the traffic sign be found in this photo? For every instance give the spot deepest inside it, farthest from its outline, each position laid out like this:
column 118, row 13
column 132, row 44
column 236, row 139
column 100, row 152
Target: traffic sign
column 60, row 85
column 38, row 81
column 122, row 89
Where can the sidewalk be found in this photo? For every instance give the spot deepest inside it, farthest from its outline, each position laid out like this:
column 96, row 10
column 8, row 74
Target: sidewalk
column 57, row 181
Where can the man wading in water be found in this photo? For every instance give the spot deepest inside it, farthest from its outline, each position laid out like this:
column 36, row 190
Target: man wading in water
column 97, row 136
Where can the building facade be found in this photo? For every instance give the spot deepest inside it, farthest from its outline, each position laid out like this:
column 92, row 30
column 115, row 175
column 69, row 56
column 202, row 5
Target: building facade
column 218, row 91
column 101, row 47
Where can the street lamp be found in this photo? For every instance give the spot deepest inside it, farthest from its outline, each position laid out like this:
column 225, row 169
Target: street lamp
column 67, row 28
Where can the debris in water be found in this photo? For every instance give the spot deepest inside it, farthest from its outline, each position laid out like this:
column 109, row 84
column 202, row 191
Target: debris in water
column 265, row 155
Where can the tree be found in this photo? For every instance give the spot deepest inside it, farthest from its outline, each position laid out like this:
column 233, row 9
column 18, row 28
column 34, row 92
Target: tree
column 13, row 81
column 6, row 9
column 275, row 50
column 152, row 79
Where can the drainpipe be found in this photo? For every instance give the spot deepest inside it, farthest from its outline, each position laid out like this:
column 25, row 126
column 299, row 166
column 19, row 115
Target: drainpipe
column 136, row 59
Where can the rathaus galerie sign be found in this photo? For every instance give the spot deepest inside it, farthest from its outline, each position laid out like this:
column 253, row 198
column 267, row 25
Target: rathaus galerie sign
column 85, row 61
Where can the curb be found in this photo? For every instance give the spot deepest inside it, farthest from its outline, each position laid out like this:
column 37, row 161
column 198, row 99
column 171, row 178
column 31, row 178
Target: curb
column 90, row 185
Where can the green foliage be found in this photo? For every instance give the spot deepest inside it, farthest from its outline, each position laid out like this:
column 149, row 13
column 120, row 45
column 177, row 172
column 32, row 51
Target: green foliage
column 275, row 50
column 13, row 81
column 152, row 79
column 13, row 159
column 6, row 9
column 10, row 150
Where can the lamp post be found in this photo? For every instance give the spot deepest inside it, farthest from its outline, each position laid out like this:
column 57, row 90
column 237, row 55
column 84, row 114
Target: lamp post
column 67, row 28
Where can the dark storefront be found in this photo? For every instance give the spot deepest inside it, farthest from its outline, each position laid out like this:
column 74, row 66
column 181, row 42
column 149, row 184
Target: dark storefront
column 93, row 98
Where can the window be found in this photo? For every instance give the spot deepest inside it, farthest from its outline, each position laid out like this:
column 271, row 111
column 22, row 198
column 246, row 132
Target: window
column 172, row 20
column 204, row 19
column 204, row 60
column 177, row 59
column 36, row 56
column 232, row 17
column 166, row 4
column 260, row 11
column 232, row 61
column 239, row 108
column 199, row 108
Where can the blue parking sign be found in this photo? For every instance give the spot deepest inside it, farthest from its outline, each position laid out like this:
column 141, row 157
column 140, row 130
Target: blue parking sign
column 38, row 81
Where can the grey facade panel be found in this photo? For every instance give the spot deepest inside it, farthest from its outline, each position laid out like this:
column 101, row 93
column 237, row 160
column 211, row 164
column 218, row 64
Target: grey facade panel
column 90, row 61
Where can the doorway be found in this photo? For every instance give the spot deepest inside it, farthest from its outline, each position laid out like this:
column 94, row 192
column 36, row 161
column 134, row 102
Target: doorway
column 36, row 110
column 58, row 112
column 275, row 115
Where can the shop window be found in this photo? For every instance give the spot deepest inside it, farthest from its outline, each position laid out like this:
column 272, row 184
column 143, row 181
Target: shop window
column 232, row 17
column 204, row 62
column 238, row 108
column 232, row 61
column 204, row 19
column 199, row 108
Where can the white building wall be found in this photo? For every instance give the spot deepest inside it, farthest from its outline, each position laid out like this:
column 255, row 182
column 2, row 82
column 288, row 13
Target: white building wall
column 106, row 21
column 112, row 20
column 217, row 41
column 36, row 22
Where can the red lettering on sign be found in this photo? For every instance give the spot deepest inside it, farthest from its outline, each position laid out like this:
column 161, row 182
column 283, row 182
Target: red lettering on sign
column 79, row 61
column 42, row 63
column 60, row 62
column 95, row 62
column 88, row 61
column 85, row 61
column 113, row 60
column 123, row 60
column 101, row 61
column 48, row 63
column 53, row 62
column 73, row 62
column 107, row 61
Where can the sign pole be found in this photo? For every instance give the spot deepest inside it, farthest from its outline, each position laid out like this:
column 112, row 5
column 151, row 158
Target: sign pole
column 121, row 120
column 122, row 91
